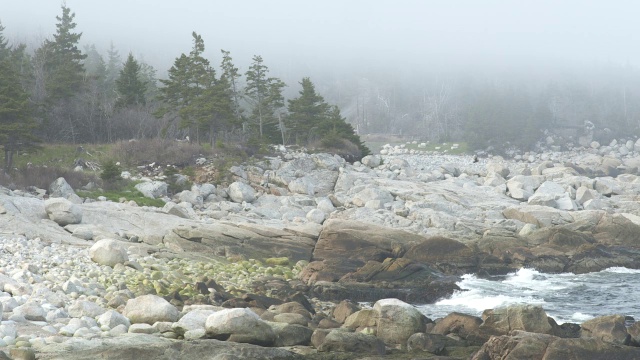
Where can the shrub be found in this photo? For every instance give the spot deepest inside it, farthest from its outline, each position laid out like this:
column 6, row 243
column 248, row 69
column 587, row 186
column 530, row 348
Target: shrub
column 159, row 151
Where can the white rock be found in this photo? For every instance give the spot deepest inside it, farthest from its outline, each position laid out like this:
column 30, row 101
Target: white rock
column 240, row 192
column 108, row 252
column 153, row 189
column 397, row 321
column 316, row 216
column 63, row 211
column 239, row 325
column 150, row 309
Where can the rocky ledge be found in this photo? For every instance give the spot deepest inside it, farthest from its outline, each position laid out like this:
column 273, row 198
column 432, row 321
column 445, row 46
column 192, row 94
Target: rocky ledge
column 255, row 269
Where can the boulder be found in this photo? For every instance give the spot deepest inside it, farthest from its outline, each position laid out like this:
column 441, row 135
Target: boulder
column 150, row 309
column 81, row 308
column 193, row 320
column 343, row 341
column 464, row 326
column 344, row 309
column 239, row 325
column 397, row 321
column 112, row 318
column 60, row 188
column 153, row 189
column 445, row 254
column 108, row 252
column 240, row 192
column 291, row 334
column 63, row 211
column 372, row 161
column 501, row 321
column 526, row 345
column 610, row 328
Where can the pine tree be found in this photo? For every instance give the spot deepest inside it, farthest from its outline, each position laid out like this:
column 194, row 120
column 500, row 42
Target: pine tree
column 64, row 60
column 16, row 121
column 131, row 90
column 306, row 112
column 231, row 76
column 265, row 94
column 4, row 44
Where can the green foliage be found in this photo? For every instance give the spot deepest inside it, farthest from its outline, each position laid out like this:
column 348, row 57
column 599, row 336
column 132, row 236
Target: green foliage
column 63, row 60
column 126, row 191
column 111, row 172
column 310, row 118
column 265, row 96
column 17, row 123
column 130, row 88
column 194, row 96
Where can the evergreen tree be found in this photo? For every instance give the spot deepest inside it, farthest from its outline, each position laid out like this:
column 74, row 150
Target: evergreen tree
column 306, row 112
column 16, row 121
column 189, row 78
column 230, row 75
column 265, row 95
column 65, row 71
column 311, row 118
column 130, row 88
column 4, row 44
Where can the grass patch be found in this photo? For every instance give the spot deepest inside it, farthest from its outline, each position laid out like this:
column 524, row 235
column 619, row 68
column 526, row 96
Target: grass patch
column 62, row 155
column 127, row 193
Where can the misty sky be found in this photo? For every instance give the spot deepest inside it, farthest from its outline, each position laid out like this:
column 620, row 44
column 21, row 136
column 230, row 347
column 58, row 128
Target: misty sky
column 295, row 33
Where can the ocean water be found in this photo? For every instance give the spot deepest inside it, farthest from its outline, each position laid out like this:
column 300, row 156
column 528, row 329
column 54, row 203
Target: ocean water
column 565, row 297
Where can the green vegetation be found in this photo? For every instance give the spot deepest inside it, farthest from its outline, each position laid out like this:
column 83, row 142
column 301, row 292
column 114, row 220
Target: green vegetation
column 127, row 192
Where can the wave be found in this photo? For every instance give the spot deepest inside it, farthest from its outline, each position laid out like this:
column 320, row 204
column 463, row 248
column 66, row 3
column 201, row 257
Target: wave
column 621, row 270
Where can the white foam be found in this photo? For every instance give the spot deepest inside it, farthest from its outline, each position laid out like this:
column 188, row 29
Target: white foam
column 580, row 317
column 621, row 270
column 478, row 300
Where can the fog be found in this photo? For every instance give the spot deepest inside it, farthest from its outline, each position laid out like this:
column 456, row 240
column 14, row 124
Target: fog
column 442, row 70
column 295, row 35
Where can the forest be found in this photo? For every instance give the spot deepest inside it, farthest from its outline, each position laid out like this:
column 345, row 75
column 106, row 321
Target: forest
column 65, row 92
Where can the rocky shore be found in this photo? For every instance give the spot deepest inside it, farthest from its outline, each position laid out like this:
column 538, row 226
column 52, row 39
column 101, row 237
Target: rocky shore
column 274, row 265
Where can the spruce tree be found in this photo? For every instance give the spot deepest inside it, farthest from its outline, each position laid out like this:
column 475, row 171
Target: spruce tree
column 231, row 76
column 16, row 119
column 265, row 95
column 65, row 71
column 4, row 44
column 130, row 88
column 306, row 112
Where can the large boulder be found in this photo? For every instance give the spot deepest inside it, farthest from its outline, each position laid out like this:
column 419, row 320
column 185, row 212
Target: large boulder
column 108, row 252
column 291, row 334
column 343, row 341
column 445, row 254
column 607, row 328
column 501, row 321
column 60, row 188
column 193, row 320
column 397, row 321
column 464, row 326
column 526, row 345
column 63, row 211
column 239, row 325
column 153, row 189
column 150, row 309
column 240, row 192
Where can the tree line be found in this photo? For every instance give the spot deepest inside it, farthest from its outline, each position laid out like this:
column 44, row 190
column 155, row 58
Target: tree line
column 60, row 93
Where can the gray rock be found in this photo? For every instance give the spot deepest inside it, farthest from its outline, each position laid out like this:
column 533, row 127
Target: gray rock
column 153, row 189
column 82, row 308
column 63, row 211
column 150, row 309
column 397, row 321
column 60, row 188
column 108, row 252
column 344, row 341
column 239, row 325
column 112, row 318
column 240, row 192
column 193, row 320
column 372, row 161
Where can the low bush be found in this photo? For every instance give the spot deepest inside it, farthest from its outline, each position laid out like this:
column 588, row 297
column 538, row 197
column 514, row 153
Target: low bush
column 159, row 151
